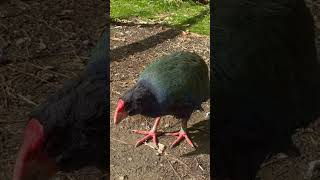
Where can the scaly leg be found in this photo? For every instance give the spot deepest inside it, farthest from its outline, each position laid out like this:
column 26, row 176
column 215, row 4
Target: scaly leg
column 182, row 134
column 149, row 134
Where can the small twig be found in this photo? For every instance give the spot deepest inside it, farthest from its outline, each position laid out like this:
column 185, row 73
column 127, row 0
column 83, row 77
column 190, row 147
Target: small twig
column 22, row 97
column 117, row 92
column 177, row 174
column 42, row 68
column 4, row 26
column 173, row 157
column 29, row 74
column 11, row 122
column 198, row 164
column 26, row 44
column 27, row 100
column 5, row 97
column 119, row 141
column 4, row 91
column 271, row 162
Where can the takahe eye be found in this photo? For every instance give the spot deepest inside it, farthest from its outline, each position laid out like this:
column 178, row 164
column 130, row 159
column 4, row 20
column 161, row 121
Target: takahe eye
column 138, row 101
column 130, row 112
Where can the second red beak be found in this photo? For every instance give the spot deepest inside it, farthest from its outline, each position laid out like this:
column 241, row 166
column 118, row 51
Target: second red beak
column 120, row 113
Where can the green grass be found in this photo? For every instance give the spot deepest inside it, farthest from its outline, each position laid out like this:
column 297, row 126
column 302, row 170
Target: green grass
column 186, row 15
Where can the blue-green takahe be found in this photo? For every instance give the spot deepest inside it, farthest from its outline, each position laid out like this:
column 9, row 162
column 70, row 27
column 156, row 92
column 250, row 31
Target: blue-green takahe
column 174, row 84
column 67, row 132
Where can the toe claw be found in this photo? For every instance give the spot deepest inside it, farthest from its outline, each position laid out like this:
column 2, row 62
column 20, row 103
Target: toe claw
column 148, row 135
column 189, row 141
column 141, row 141
column 177, row 141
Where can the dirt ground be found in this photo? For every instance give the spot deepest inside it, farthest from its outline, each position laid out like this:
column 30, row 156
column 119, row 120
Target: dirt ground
column 42, row 43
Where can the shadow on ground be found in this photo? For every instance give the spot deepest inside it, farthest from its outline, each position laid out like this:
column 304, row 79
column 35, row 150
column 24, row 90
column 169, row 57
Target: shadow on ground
column 152, row 41
column 200, row 134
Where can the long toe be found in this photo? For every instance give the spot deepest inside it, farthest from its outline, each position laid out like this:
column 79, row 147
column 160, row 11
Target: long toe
column 177, row 141
column 189, row 141
column 172, row 133
column 148, row 135
column 142, row 140
column 140, row 132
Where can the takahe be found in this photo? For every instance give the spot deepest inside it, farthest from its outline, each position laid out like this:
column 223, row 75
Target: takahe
column 68, row 131
column 265, row 82
column 175, row 84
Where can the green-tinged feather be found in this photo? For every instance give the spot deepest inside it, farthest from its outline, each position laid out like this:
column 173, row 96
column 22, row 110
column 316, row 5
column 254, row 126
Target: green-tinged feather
column 180, row 77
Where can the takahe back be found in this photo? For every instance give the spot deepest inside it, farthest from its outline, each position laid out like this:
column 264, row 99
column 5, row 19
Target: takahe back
column 68, row 131
column 265, row 81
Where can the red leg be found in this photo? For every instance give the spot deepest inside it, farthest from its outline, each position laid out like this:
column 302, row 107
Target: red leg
column 149, row 134
column 182, row 134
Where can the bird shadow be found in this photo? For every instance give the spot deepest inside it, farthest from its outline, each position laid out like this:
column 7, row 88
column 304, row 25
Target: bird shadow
column 124, row 51
column 200, row 133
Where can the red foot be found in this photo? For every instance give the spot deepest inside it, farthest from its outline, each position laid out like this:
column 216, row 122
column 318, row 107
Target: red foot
column 181, row 135
column 148, row 135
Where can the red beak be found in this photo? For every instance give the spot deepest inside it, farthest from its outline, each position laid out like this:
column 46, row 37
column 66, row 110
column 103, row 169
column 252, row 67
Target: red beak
column 120, row 113
column 32, row 162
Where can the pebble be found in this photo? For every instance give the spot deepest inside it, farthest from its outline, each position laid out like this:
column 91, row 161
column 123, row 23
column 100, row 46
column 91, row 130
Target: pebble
column 20, row 41
column 207, row 117
column 42, row 45
column 123, row 177
column 85, row 42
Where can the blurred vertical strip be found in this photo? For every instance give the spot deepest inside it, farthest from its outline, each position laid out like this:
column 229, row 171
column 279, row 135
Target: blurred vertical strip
column 212, row 104
column 107, row 95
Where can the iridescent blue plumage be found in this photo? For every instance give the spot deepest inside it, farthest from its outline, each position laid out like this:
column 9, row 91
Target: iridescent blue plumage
column 178, row 80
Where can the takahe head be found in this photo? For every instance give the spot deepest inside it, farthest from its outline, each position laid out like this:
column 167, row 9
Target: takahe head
column 32, row 161
column 137, row 100
column 45, row 152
